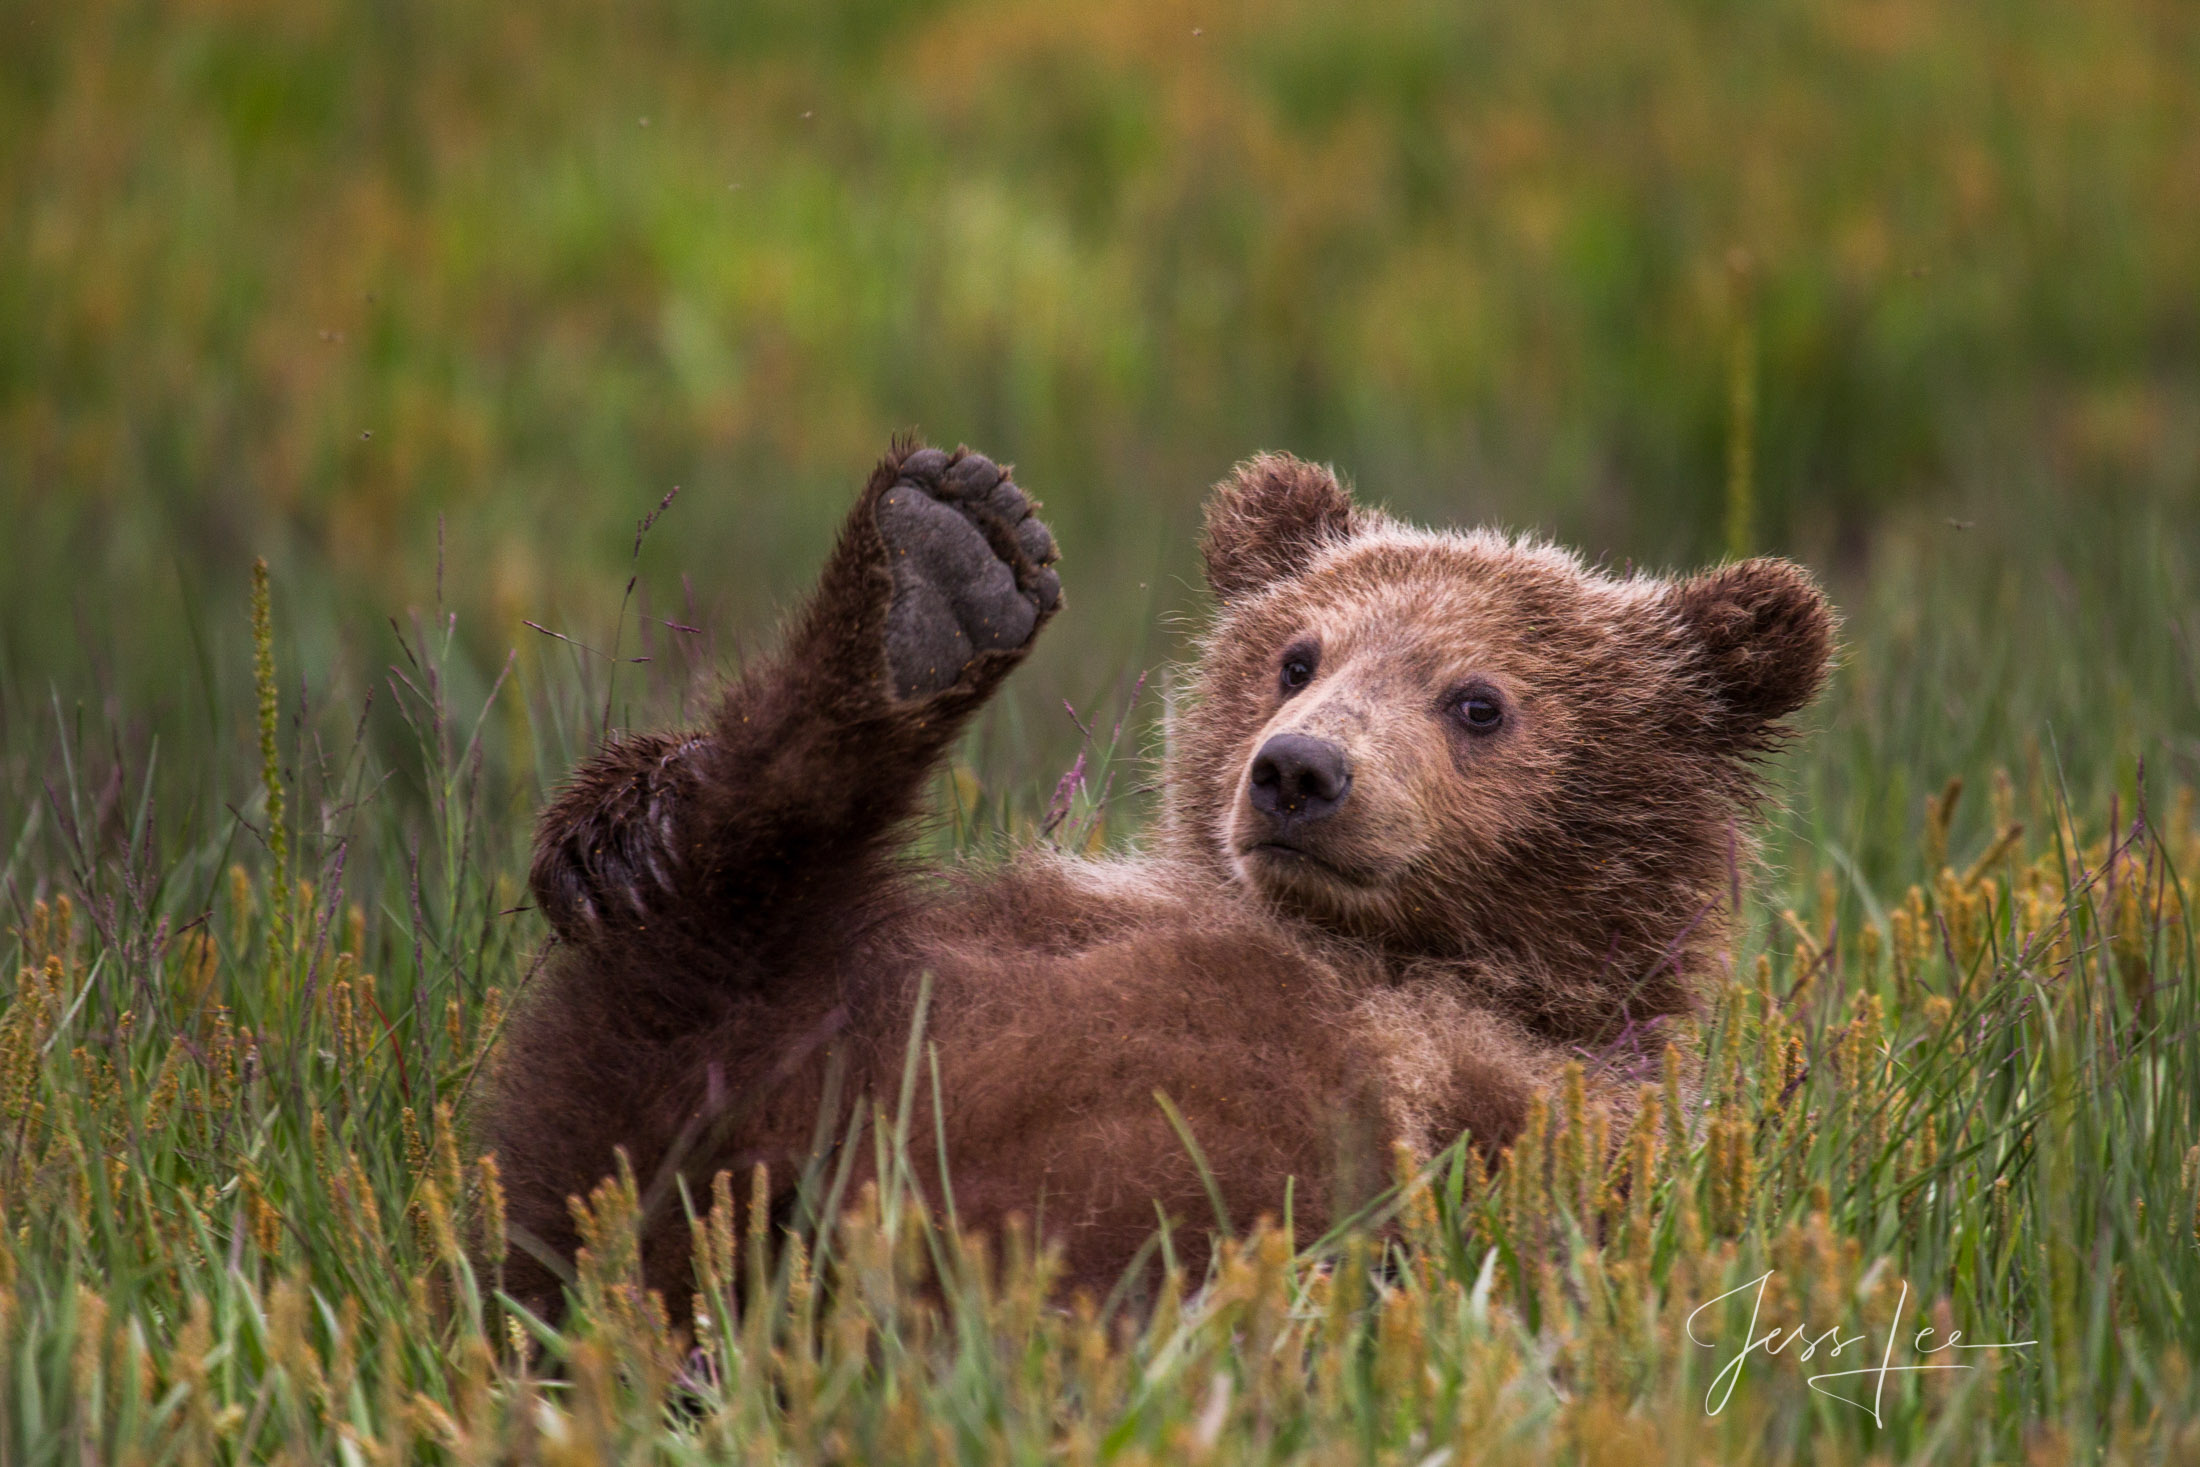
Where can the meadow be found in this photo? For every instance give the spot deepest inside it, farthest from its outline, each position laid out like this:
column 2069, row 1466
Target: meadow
column 344, row 348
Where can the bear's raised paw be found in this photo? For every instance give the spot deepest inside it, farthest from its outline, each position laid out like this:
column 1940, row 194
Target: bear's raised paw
column 972, row 567
column 607, row 855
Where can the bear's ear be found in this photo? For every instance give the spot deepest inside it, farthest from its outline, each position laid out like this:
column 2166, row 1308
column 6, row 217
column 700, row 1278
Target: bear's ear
column 1762, row 633
column 1268, row 520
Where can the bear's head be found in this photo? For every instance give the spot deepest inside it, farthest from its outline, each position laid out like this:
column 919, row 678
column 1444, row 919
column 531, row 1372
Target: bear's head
column 1472, row 749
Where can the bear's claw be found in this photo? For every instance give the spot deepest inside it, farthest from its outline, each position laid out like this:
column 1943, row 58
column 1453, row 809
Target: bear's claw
column 972, row 567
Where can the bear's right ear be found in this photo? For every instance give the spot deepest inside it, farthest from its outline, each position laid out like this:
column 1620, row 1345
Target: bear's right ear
column 1268, row 520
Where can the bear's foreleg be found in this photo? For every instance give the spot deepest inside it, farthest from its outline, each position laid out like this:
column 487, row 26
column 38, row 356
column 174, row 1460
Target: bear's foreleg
column 751, row 842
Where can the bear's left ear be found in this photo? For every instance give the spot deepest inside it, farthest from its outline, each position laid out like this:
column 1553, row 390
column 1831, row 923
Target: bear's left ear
column 1268, row 520
column 1762, row 632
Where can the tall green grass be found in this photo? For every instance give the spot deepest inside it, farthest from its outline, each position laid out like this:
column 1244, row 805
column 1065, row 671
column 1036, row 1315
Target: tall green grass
column 1950, row 1084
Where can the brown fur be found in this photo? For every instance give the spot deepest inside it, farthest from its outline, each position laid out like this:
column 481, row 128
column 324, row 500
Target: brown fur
column 734, row 920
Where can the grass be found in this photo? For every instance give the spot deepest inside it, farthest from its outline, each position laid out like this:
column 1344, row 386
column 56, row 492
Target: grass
column 1950, row 1084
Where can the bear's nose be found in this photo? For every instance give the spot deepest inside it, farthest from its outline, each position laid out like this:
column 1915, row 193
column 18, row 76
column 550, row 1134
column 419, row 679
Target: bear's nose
column 1297, row 778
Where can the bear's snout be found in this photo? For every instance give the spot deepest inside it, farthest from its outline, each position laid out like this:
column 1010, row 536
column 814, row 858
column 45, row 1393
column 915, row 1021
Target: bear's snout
column 1297, row 779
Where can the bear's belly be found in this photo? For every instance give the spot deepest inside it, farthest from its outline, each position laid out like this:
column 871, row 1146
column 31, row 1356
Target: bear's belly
column 1100, row 1090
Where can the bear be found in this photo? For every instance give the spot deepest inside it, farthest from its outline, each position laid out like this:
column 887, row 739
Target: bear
column 1441, row 812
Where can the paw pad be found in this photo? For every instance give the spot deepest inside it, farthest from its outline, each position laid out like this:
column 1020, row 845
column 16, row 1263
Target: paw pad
column 972, row 567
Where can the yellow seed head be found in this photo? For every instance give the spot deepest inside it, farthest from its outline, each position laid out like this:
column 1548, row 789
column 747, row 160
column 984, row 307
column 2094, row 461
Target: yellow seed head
column 1642, row 1172
column 271, row 773
column 1939, row 814
column 265, row 1223
column 442, row 1229
column 447, row 1173
column 240, row 906
column 1676, row 1120
column 1574, row 1179
column 493, row 1240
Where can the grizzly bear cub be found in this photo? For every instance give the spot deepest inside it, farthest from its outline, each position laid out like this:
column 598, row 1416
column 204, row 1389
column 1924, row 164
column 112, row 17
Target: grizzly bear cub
column 1442, row 811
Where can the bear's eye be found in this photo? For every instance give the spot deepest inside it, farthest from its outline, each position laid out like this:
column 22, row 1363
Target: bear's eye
column 1480, row 709
column 1298, row 668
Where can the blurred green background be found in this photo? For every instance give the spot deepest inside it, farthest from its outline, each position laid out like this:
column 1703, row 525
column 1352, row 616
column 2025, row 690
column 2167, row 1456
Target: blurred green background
column 394, row 292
